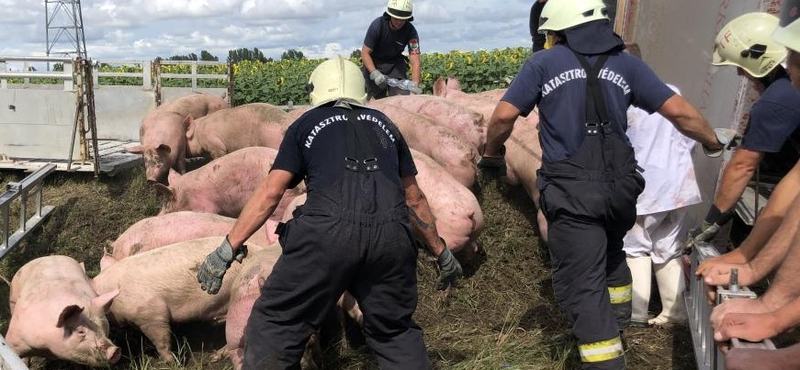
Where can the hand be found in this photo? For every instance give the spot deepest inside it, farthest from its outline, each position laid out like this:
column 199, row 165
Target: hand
column 720, row 274
column 492, row 168
column 726, row 138
column 449, row 269
column 216, row 264
column 747, row 326
column 378, row 78
column 737, row 305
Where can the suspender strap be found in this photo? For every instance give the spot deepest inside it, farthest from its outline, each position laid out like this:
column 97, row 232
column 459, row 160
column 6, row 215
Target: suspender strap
column 360, row 156
column 596, row 112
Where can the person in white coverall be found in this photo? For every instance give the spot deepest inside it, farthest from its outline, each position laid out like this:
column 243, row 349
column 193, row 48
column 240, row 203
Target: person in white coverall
column 656, row 240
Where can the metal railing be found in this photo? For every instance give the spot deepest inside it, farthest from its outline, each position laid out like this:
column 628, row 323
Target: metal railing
column 707, row 354
column 26, row 73
column 22, row 191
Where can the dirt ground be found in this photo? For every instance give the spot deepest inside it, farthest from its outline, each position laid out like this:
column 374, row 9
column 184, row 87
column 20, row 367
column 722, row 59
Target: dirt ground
column 502, row 316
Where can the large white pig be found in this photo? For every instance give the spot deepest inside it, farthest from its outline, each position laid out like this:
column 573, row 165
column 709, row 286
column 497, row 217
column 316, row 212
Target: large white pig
column 56, row 313
column 440, row 143
column 224, row 185
column 162, row 134
column 158, row 231
column 159, row 287
column 467, row 124
column 228, row 130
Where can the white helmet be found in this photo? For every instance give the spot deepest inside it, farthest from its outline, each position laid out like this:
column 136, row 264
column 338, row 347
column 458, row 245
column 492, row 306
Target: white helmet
column 336, row 78
column 560, row 15
column 788, row 34
column 746, row 42
column 400, row 9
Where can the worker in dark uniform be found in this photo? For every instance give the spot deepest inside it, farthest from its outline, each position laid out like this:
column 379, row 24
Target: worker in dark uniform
column 772, row 138
column 588, row 178
column 353, row 233
column 382, row 52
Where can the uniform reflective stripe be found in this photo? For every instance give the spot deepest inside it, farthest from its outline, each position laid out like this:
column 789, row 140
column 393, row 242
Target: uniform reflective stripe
column 621, row 294
column 601, row 351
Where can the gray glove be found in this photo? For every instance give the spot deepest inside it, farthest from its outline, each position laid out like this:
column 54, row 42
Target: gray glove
column 216, row 264
column 726, row 137
column 449, row 269
column 492, row 168
column 378, row 78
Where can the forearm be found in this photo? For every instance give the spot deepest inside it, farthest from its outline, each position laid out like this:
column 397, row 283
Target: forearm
column 416, row 68
column 499, row 129
column 786, row 286
column 788, row 316
column 366, row 58
column 734, row 180
column 688, row 120
column 424, row 223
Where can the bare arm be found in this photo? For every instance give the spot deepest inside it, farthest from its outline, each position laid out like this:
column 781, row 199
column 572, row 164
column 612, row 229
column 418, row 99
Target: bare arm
column 421, row 216
column 688, row 120
column 416, row 70
column 259, row 207
column 366, row 57
column 735, row 177
column 500, row 126
column 786, row 286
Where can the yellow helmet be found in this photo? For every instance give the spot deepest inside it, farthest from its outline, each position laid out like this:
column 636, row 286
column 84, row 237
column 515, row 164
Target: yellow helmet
column 560, row 15
column 336, row 78
column 788, row 34
column 400, row 9
column 746, row 42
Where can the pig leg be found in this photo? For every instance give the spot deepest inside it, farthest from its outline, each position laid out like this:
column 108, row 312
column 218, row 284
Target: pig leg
column 159, row 333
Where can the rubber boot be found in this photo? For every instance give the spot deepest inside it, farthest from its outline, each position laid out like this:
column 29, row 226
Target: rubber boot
column 641, row 272
column 671, row 285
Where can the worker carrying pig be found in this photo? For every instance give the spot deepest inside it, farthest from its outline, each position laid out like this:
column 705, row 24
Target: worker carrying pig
column 353, row 233
column 773, row 129
column 382, row 52
column 589, row 179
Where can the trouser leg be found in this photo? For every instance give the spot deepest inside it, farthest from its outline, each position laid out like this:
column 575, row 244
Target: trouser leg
column 618, row 274
column 304, row 284
column 578, row 256
column 386, row 289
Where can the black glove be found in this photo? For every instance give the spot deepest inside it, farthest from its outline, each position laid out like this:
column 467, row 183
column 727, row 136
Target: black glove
column 492, row 168
column 449, row 269
column 216, row 264
column 709, row 228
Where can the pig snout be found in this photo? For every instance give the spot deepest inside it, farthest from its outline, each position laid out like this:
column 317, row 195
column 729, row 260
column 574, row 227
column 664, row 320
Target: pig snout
column 113, row 354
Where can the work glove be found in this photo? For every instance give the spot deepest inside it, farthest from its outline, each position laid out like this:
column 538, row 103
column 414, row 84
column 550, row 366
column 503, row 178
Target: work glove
column 708, row 229
column 378, row 78
column 413, row 88
column 216, row 264
column 492, row 168
column 449, row 269
column 726, row 137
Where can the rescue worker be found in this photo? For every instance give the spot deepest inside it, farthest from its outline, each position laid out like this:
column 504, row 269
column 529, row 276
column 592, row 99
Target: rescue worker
column 772, row 130
column 588, row 179
column 382, row 52
column 538, row 38
column 353, row 233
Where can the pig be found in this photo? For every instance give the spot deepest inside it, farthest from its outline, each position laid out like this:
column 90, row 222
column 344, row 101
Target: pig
column 158, row 231
column 224, row 185
column 56, row 313
column 159, row 287
column 162, row 135
column 467, row 124
column 298, row 111
column 228, row 130
column 456, row 156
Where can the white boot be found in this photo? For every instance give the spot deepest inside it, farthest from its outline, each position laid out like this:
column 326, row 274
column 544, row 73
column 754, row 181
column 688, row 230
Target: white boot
column 671, row 285
column 641, row 273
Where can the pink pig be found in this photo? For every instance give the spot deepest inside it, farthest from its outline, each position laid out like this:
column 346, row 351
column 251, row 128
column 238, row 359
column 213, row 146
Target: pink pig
column 56, row 313
column 228, row 130
column 163, row 134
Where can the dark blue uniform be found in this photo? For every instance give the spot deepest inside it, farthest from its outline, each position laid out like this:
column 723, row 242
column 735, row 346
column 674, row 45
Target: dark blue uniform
column 774, row 129
column 387, row 53
column 589, row 184
column 351, row 234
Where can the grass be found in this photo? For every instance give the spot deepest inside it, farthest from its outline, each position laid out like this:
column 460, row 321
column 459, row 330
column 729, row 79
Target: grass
column 502, row 316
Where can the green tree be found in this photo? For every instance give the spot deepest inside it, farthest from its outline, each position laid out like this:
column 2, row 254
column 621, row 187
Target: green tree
column 292, row 54
column 206, row 56
column 190, row 56
column 356, row 54
column 238, row 55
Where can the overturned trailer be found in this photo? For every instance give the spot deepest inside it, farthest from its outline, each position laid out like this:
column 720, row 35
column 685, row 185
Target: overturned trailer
column 84, row 116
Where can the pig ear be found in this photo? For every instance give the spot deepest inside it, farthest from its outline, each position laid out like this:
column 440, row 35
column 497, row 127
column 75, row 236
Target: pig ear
column 135, row 149
column 188, row 122
column 173, row 176
column 439, row 88
column 103, row 301
column 69, row 313
column 83, row 267
column 163, row 190
column 106, row 261
column 453, row 83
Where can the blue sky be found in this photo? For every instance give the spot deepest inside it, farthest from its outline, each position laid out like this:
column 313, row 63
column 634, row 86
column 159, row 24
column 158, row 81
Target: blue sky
column 144, row 29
